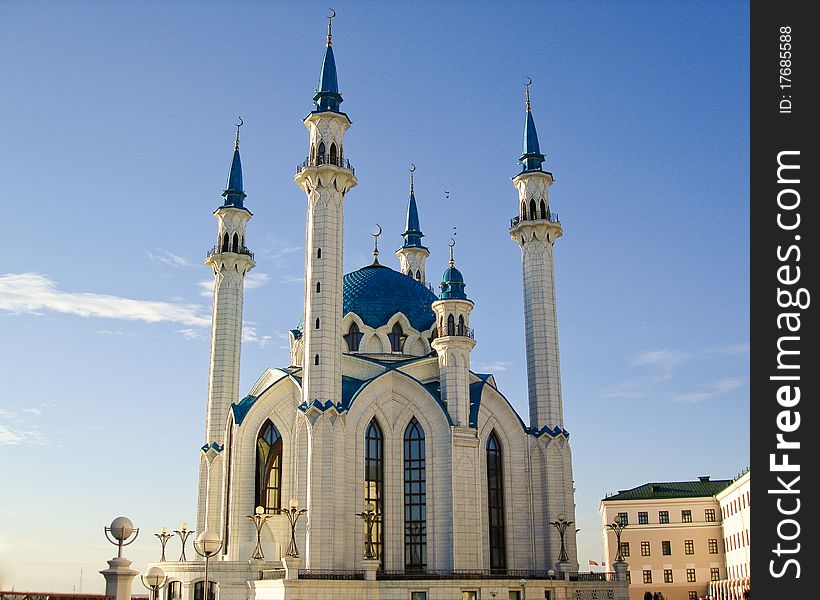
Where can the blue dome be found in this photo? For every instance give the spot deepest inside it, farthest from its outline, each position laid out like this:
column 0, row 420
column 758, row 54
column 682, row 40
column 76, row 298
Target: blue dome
column 376, row 293
column 452, row 275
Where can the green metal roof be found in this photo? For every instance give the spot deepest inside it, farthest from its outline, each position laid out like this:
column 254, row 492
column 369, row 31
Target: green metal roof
column 703, row 487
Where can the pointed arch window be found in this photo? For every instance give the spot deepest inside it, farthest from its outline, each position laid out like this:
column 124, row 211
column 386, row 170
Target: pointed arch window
column 451, row 325
column 321, row 155
column 418, row 274
column 353, row 338
column 235, row 247
column 533, row 214
column 333, row 157
column 317, row 322
column 318, row 287
column 226, row 242
column 415, row 498
column 269, row 468
column 374, row 481
column 396, row 338
column 461, row 328
column 319, row 253
column 523, row 210
column 495, row 503
column 544, row 214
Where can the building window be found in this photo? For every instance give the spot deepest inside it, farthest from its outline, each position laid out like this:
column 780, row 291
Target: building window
column 713, row 548
column 709, row 514
column 199, row 590
column 316, row 360
column 688, row 546
column 645, row 549
column 269, row 468
column 396, row 338
column 693, row 596
column 317, row 323
column 663, row 516
column 418, row 595
column 624, row 518
column 533, row 214
column 647, row 576
column 624, row 548
column 318, row 287
column 514, row 595
column 174, row 590
column 714, row 572
column 686, row 516
column 415, row 498
column 461, row 328
column 451, row 325
column 469, row 595
column 629, row 577
column 667, row 576
column 318, row 253
column 353, row 338
column 690, row 575
column 643, row 518
column 495, row 503
column 666, row 548
column 374, row 481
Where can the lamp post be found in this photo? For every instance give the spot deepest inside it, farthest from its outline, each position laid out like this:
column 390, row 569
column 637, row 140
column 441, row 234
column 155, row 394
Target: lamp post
column 293, row 513
column 154, row 579
column 523, row 583
column 120, row 530
column 259, row 518
column 618, row 527
column 207, row 545
column 370, row 516
column 163, row 537
column 561, row 525
column 183, row 532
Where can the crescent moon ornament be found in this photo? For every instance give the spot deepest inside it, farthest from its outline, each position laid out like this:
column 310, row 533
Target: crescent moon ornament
column 452, row 243
column 333, row 15
column 529, row 81
column 412, row 167
column 377, row 234
column 241, row 123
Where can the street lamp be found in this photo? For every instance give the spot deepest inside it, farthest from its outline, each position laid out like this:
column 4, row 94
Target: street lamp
column 183, row 532
column 120, row 530
column 618, row 527
column 163, row 537
column 370, row 516
column 293, row 513
column 523, row 582
column 259, row 517
column 154, row 579
column 207, row 545
column 561, row 525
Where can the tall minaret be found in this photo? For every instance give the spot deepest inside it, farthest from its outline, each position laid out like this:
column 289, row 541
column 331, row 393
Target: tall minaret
column 413, row 254
column 326, row 177
column 230, row 261
column 536, row 229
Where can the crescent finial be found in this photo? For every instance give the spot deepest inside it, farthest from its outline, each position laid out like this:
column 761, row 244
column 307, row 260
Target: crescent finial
column 452, row 243
column 527, row 91
column 332, row 15
column 241, row 123
column 412, row 167
column 238, row 125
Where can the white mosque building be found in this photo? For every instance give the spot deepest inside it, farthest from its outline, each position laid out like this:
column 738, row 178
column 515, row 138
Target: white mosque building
column 379, row 413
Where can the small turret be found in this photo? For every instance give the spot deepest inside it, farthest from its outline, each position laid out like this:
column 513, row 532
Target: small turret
column 413, row 254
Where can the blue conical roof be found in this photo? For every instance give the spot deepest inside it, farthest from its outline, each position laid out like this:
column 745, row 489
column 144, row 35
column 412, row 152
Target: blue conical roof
column 531, row 156
column 412, row 233
column 234, row 193
column 327, row 93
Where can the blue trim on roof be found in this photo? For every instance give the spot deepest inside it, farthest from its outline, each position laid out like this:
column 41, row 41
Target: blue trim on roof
column 327, row 96
column 234, row 193
column 550, row 431
column 531, row 157
column 412, row 231
column 213, row 445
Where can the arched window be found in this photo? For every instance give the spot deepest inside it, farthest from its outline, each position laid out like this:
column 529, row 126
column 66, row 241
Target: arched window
column 318, row 286
column 316, row 360
column 321, row 156
column 396, row 338
column 461, row 328
column 312, row 154
column 544, row 214
column 523, row 210
column 451, row 325
column 333, row 157
column 495, row 503
column 319, row 253
column 317, row 323
column 418, row 275
column 226, row 243
column 415, row 498
column 533, row 215
column 374, row 480
column 199, row 589
column 236, row 242
column 269, row 468
column 353, row 338
column 173, row 591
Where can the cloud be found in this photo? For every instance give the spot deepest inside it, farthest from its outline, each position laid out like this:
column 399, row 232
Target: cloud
column 10, row 437
column 33, row 411
column 293, row 279
column 249, row 335
column 32, row 293
column 167, row 258
column 495, row 366
column 191, row 334
column 711, row 391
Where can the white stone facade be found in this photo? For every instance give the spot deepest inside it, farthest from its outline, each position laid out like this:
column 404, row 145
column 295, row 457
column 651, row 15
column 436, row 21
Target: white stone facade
column 413, row 261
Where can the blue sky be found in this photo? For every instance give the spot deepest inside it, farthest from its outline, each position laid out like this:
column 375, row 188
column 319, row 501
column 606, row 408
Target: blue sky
column 117, row 130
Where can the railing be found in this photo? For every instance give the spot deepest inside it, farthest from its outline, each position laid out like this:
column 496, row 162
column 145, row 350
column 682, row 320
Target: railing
column 458, row 331
column 345, row 574
column 324, row 159
column 242, row 250
column 591, row 576
column 330, row 574
column 268, row 574
column 551, row 217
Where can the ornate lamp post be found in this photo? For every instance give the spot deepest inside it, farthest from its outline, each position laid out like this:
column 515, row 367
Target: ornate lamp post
column 154, row 579
column 370, row 517
column 293, row 513
column 207, row 545
column 561, row 525
column 183, row 532
column 163, row 537
column 259, row 518
column 120, row 530
column 618, row 527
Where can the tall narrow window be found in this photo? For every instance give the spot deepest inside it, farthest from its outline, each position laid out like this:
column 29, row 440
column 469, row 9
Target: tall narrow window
column 523, row 210
column 317, row 323
column 544, row 210
column 495, row 503
column 374, row 481
column 353, row 338
column 397, row 338
column 415, row 498
column 316, row 360
column 533, row 214
column 418, row 274
column 451, row 325
column 269, row 468
column 199, row 590
column 319, row 253
column 318, row 287
column 333, row 159
column 235, row 242
column 321, row 157
column 461, row 328
column 226, row 243
column 173, row 591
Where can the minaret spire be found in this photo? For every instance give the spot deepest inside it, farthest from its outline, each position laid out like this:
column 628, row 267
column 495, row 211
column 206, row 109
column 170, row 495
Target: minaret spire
column 234, row 193
column 413, row 253
column 531, row 157
column 327, row 96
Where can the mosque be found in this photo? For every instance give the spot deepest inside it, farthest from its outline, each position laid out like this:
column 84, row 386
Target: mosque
column 409, row 475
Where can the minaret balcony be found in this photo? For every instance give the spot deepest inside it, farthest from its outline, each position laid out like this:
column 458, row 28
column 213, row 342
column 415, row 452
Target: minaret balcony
column 320, row 160
column 550, row 216
column 459, row 331
column 241, row 250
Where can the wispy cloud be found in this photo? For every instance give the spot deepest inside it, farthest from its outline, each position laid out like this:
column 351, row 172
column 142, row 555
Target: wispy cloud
column 164, row 257
column 495, row 366
column 33, row 293
column 250, row 335
column 11, row 437
column 711, row 391
column 33, row 411
column 191, row 334
column 293, row 279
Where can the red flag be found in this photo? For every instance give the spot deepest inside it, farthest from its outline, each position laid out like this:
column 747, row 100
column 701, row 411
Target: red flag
column 592, row 562
column 603, row 564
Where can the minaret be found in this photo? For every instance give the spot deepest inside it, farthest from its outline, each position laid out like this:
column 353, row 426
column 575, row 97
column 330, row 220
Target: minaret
column 535, row 229
column 413, row 254
column 325, row 177
column 454, row 341
column 230, row 261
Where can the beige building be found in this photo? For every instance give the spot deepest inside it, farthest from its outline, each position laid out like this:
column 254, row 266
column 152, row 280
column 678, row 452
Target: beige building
column 734, row 511
column 673, row 540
